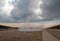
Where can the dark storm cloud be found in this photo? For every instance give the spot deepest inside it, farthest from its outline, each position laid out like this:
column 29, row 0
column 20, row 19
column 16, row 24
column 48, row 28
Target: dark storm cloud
column 26, row 11
column 51, row 9
column 5, row 18
column 23, row 11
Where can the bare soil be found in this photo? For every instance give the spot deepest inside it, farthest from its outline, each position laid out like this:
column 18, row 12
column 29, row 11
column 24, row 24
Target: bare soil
column 20, row 36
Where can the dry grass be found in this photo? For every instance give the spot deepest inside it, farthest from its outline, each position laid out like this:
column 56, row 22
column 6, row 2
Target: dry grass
column 20, row 36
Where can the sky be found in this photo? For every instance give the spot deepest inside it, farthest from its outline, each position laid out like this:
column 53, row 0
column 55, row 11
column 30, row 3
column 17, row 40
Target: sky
column 22, row 11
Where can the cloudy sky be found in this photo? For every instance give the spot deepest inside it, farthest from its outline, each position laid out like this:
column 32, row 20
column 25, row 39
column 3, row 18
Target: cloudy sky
column 29, row 10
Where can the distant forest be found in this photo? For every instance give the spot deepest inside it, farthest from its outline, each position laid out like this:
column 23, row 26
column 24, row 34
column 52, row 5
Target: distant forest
column 3, row 27
column 54, row 27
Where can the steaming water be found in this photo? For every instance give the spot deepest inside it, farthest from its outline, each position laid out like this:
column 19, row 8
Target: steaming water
column 30, row 29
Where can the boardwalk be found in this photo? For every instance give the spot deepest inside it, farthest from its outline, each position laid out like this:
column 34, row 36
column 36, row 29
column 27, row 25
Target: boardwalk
column 55, row 33
column 48, row 37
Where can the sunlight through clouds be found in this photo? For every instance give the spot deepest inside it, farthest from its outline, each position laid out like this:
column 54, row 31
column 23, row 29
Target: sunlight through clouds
column 8, row 7
column 29, row 10
column 38, row 11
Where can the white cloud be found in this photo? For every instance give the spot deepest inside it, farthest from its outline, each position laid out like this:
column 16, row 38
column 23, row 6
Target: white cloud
column 29, row 10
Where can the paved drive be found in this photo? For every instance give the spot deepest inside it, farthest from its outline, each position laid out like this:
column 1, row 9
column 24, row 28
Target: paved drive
column 55, row 33
column 48, row 37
